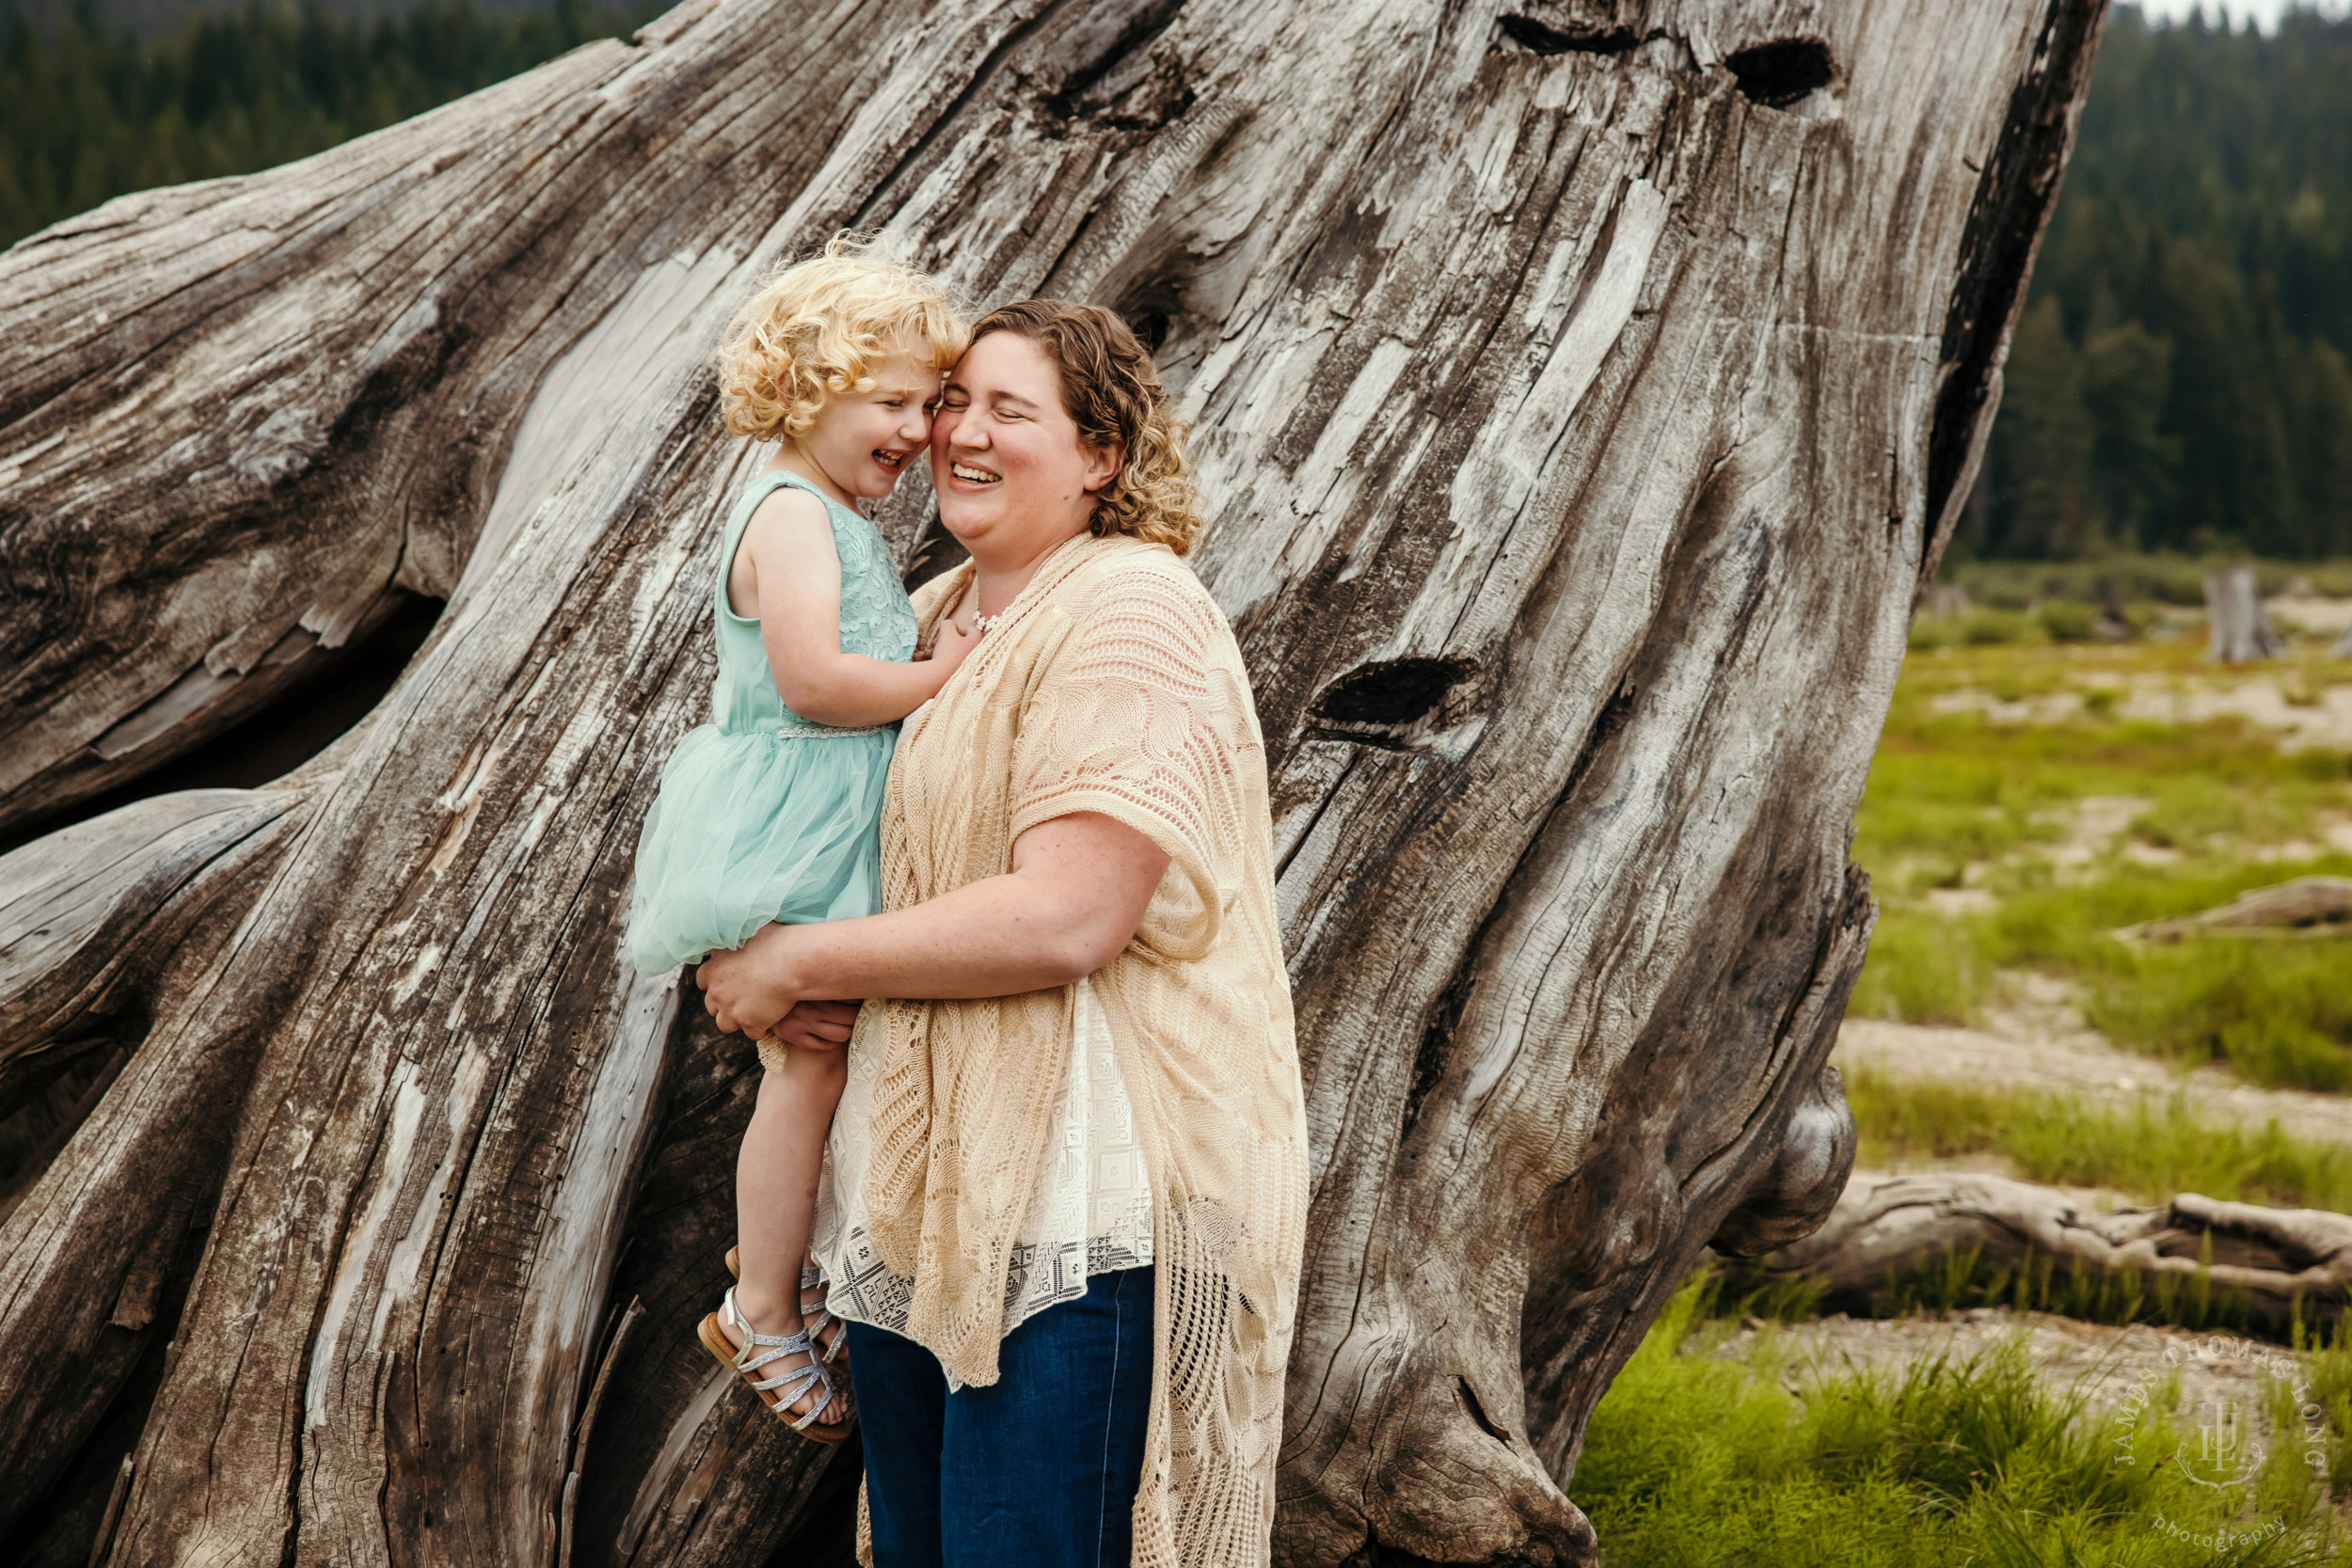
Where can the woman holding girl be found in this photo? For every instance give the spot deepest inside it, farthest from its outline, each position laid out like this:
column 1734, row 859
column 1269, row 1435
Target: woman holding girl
column 1065, row 1194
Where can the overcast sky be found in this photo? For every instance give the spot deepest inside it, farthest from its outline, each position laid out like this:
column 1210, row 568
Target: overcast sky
column 2264, row 12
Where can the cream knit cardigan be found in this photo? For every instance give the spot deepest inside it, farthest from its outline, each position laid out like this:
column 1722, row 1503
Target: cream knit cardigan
column 1113, row 684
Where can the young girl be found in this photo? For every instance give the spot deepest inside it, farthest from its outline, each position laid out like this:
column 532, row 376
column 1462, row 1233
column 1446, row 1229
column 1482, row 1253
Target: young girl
column 768, row 812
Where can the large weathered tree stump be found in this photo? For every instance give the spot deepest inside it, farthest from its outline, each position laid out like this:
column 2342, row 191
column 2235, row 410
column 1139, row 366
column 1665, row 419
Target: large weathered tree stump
column 1583, row 390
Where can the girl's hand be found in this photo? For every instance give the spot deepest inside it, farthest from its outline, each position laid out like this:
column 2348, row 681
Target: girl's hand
column 951, row 647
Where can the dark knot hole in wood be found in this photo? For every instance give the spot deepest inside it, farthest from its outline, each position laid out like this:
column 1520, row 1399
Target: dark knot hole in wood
column 1395, row 691
column 1783, row 71
column 1541, row 38
column 1151, row 327
column 1154, row 308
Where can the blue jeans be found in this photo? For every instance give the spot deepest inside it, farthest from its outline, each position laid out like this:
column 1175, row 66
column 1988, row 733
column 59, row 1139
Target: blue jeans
column 1037, row 1471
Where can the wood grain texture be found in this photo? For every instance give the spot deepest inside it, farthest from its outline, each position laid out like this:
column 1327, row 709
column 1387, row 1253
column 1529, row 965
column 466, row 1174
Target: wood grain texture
column 1581, row 391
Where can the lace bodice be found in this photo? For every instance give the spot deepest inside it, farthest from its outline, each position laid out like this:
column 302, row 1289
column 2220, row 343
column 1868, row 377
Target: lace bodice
column 876, row 619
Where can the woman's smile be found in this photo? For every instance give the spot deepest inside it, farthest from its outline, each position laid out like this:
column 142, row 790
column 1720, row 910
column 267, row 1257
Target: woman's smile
column 1013, row 477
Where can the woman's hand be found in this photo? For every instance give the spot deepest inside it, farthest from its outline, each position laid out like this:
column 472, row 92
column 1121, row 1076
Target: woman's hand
column 753, row 987
column 1077, row 892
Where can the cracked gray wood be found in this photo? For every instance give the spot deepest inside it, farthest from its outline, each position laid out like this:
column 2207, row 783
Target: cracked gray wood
column 2301, row 906
column 1584, row 391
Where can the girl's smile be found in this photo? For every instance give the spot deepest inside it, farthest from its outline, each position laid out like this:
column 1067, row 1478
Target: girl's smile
column 860, row 442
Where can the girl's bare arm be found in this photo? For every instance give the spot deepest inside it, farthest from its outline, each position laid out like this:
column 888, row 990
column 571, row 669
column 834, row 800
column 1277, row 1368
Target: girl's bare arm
column 796, row 578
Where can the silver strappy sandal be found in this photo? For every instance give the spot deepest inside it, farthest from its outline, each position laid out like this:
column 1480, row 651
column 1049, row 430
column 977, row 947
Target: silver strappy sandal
column 759, row 1351
column 815, row 1318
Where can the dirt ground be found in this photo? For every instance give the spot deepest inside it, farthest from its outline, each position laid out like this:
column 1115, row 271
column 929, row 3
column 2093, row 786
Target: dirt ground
column 2321, row 716
column 2310, row 613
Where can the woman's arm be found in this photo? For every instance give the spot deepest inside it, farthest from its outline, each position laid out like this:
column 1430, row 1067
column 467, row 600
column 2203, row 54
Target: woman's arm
column 1076, row 892
column 796, row 582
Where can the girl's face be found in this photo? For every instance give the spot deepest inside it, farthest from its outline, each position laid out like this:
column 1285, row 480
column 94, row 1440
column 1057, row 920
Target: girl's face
column 862, row 440
column 1013, row 478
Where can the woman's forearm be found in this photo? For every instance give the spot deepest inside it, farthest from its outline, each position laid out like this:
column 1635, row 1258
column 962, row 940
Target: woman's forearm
column 1076, row 894
column 998, row 936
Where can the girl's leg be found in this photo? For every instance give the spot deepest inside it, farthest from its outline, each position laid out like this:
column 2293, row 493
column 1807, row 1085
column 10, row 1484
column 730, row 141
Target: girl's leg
column 901, row 1401
column 776, row 1193
column 1041, row 1468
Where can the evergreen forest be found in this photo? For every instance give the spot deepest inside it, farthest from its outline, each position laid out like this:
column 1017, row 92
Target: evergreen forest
column 90, row 111
column 2181, row 380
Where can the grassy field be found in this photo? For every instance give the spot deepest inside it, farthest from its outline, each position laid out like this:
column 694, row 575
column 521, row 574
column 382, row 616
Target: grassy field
column 2149, row 1151
column 2031, row 798
column 2036, row 791
column 1696, row 1458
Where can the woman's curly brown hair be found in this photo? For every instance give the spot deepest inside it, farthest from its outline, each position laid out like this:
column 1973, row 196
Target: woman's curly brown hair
column 1110, row 388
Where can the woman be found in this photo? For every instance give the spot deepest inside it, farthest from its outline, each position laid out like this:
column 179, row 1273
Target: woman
column 1081, row 1092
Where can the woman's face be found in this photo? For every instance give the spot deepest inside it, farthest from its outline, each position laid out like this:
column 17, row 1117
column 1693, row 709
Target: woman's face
column 1013, row 478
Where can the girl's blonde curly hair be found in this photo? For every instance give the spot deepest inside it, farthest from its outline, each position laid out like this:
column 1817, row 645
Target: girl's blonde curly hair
column 1112, row 391
column 817, row 328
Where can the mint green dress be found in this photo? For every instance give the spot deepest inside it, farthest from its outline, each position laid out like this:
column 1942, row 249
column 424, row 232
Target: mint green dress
column 763, row 815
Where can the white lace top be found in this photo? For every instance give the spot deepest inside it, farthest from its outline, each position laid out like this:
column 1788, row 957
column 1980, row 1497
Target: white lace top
column 1091, row 1213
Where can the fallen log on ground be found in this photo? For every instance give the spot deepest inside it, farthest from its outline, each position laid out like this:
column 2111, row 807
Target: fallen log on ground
column 2235, row 1260
column 2304, row 906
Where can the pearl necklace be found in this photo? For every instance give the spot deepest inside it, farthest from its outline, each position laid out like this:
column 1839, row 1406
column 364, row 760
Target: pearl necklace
column 987, row 623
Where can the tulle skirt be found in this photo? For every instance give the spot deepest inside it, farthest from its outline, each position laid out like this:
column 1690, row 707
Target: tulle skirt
column 751, row 826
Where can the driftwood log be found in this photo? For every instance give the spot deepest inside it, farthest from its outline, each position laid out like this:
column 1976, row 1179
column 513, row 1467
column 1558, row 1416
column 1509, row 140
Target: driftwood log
column 1584, row 389
column 2272, row 1266
column 2238, row 626
column 2301, row 906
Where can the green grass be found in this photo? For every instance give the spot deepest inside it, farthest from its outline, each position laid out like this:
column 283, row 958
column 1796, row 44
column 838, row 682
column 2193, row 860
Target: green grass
column 2280, row 1012
column 1959, row 787
column 1957, row 798
column 2329, row 1366
column 1695, row 1460
column 2164, row 579
column 2149, row 1151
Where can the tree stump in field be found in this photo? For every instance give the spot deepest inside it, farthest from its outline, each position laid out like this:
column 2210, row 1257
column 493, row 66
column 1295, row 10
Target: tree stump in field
column 2238, row 626
column 1584, row 391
